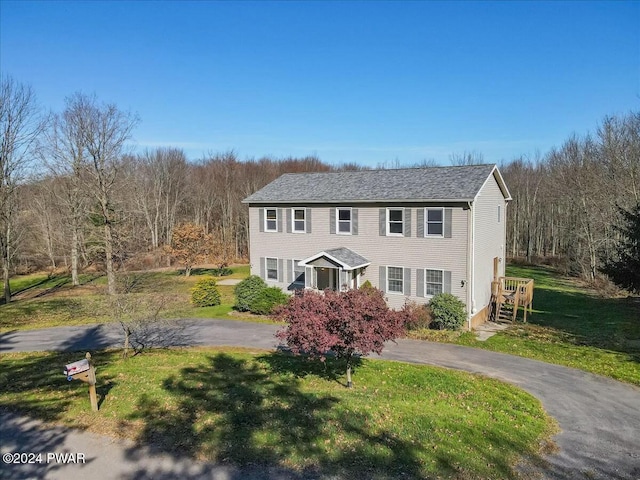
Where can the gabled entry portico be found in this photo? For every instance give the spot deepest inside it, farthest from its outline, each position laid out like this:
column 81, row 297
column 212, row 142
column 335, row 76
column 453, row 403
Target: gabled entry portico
column 334, row 269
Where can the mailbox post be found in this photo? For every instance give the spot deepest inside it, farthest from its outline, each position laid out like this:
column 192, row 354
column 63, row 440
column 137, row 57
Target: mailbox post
column 85, row 371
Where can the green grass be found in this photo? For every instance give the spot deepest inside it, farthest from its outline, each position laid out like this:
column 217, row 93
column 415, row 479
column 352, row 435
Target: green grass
column 573, row 326
column 268, row 409
column 43, row 301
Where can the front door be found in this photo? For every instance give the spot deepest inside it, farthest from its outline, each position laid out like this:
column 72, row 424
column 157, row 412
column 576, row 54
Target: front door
column 326, row 278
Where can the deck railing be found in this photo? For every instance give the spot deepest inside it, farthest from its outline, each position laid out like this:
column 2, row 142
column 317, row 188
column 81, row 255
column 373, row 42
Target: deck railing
column 513, row 291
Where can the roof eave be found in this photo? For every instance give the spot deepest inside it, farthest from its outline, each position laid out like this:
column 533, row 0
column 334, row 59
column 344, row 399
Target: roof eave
column 343, row 202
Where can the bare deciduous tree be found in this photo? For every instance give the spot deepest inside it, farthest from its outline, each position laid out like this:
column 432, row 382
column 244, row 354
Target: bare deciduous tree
column 103, row 131
column 20, row 125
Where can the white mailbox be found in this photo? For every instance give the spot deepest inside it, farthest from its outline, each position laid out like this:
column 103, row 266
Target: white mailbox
column 85, row 371
column 73, row 369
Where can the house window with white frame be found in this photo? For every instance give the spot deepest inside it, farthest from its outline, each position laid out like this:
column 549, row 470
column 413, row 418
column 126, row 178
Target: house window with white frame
column 433, row 280
column 434, row 222
column 270, row 219
column 344, row 220
column 299, row 215
column 395, row 279
column 272, row 268
column 395, row 221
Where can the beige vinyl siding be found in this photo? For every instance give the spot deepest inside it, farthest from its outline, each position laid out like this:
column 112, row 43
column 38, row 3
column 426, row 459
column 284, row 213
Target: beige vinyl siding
column 412, row 252
column 489, row 239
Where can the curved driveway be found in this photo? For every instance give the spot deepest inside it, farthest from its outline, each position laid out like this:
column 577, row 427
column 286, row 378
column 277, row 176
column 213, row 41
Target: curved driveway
column 599, row 418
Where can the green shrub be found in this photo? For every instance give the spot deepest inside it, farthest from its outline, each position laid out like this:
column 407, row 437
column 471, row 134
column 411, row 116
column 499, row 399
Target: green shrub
column 221, row 272
column 447, row 311
column 205, row 293
column 247, row 290
column 267, row 299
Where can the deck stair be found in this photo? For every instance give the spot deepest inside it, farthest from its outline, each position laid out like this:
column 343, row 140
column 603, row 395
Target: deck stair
column 508, row 294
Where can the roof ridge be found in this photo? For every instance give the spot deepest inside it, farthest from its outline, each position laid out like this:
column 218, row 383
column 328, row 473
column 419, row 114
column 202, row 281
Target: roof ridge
column 371, row 170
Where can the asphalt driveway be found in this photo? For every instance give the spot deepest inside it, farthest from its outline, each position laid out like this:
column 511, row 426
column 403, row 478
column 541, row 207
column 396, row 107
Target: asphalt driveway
column 599, row 417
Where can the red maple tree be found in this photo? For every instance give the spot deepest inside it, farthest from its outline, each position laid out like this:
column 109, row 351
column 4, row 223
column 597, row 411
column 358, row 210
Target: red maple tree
column 347, row 324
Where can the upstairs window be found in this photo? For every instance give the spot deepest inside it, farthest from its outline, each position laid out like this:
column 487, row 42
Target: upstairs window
column 270, row 219
column 344, row 220
column 434, row 222
column 299, row 220
column 395, row 221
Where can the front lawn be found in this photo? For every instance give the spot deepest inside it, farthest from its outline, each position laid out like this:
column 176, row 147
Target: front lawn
column 571, row 325
column 267, row 409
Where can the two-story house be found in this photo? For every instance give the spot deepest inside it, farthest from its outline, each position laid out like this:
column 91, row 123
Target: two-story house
column 412, row 232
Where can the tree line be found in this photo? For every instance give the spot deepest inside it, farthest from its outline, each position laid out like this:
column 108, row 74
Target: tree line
column 74, row 195
column 568, row 205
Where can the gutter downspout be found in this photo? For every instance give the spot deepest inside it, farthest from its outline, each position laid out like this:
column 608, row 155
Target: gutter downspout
column 471, row 265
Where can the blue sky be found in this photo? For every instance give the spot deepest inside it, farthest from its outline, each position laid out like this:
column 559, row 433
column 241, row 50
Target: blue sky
column 364, row 82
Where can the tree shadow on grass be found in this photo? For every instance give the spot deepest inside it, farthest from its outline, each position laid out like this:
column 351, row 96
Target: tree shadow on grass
column 584, row 319
column 332, row 369
column 247, row 415
column 40, row 387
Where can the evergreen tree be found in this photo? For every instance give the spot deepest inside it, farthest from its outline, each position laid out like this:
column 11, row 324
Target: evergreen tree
column 624, row 268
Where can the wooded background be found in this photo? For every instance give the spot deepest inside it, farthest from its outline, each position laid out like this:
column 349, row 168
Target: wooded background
column 72, row 196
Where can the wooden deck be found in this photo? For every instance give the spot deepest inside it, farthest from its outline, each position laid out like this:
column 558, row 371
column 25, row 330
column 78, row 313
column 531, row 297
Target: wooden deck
column 508, row 294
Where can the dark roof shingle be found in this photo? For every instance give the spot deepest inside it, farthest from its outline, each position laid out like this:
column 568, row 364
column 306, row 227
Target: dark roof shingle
column 434, row 183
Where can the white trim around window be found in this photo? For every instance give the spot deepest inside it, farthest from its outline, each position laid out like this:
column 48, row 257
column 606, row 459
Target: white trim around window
column 270, row 219
column 395, row 280
column 395, row 223
column 271, row 269
column 434, row 222
column 344, row 225
column 299, row 220
column 433, row 281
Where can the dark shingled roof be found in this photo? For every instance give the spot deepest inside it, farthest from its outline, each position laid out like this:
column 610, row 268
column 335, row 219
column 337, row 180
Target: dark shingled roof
column 343, row 255
column 347, row 256
column 432, row 183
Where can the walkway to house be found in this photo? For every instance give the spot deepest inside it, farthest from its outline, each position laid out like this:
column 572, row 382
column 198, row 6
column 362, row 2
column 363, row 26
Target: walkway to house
column 599, row 417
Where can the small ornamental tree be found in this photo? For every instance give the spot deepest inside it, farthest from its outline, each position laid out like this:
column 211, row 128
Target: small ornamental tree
column 189, row 245
column 355, row 322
